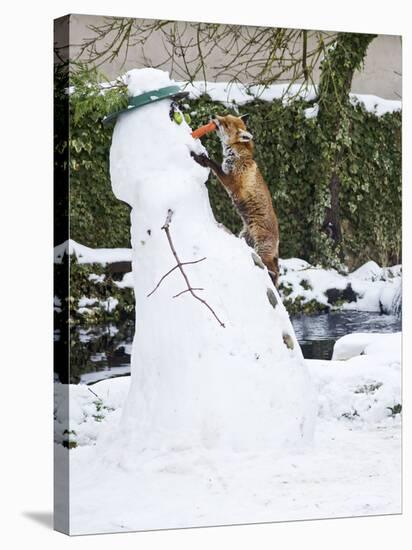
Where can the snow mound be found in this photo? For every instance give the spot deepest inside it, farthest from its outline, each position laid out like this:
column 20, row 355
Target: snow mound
column 82, row 414
column 363, row 381
column 391, row 298
column 378, row 345
column 195, row 383
column 370, row 271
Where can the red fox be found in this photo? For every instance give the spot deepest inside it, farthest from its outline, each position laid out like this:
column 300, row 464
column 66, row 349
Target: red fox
column 249, row 192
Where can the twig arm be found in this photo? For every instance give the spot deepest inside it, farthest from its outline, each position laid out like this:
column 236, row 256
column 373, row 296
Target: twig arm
column 179, row 265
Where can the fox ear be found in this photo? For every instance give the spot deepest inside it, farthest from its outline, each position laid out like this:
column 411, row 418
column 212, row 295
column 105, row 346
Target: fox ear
column 245, row 118
column 245, row 136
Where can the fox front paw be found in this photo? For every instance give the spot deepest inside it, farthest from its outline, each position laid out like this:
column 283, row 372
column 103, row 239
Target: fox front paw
column 202, row 159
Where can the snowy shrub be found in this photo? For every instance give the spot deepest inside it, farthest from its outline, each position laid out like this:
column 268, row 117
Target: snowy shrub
column 97, row 301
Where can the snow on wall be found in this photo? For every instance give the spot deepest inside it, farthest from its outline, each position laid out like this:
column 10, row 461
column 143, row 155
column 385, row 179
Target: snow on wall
column 229, row 93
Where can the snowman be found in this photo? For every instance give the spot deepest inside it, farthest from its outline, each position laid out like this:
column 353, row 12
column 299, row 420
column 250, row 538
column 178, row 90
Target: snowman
column 215, row 361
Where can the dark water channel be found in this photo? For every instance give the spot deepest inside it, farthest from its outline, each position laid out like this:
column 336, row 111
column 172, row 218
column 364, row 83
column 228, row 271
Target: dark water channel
column 103, row 352
column 317, row 334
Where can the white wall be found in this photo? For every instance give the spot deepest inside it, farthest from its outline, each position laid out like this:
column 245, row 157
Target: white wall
column 381, row 74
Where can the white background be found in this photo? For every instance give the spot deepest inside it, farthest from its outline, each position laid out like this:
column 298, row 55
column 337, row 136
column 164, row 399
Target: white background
column 26, row 273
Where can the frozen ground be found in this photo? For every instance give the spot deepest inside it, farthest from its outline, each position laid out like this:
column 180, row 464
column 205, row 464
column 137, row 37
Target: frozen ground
column 353, row 466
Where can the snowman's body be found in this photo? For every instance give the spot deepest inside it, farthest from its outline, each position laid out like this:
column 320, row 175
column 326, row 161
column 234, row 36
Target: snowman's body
column 195, row 383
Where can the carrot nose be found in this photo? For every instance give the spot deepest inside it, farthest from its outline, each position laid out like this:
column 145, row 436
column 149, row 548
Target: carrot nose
column 199, row 132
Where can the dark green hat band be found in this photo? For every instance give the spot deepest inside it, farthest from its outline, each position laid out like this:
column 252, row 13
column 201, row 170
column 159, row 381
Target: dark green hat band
column 137, row 101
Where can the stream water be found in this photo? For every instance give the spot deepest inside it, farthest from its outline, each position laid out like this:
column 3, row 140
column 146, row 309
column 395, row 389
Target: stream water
column 103, row 352
column 317, row 334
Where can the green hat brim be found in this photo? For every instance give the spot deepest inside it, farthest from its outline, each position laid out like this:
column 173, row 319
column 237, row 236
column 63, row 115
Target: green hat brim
column 169, row 92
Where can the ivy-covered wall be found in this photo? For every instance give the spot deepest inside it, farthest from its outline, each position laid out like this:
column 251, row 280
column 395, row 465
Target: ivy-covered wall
column 288, row 149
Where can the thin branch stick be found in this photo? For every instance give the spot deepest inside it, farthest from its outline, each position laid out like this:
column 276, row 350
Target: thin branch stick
column 187, row 290
column 91, row 391
column 255, row 54
column 171, row 270
column 180, row 267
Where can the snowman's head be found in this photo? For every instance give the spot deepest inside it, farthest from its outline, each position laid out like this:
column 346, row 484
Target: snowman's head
column 151, row 144
column 140, row 81
column 146, row 86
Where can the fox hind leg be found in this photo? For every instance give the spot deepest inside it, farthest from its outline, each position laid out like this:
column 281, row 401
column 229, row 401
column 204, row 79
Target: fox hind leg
column 244, row 234
column 272, row 263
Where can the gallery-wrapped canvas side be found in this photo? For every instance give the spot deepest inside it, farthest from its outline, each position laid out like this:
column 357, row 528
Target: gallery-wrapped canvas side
column 61, row 271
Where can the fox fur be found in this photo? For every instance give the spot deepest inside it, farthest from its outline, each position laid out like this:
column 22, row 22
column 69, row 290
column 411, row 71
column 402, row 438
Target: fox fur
column 241, row 177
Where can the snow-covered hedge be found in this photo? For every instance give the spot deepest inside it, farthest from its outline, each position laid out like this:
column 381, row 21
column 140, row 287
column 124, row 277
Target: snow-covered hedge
column 99, row 296
column 310, row 289
column 289, row 150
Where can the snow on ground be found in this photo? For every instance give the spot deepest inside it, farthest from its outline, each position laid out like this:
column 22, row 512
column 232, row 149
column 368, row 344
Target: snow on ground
column 353, row 466
column 375, row 287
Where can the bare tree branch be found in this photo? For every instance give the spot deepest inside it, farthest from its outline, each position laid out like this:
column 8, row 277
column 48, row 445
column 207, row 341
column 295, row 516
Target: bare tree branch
column 179, row 265
column 256, row 55
column 171, row 270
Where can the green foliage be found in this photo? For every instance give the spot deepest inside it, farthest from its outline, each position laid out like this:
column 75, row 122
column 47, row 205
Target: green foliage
column 97, row 218
column 396, row 409
column 81, row 286
column 299, row 306
column 371, row 189
column 305, row 284
column 69, row 441
column 291, row 152
column 368, row 388
column 334, row 122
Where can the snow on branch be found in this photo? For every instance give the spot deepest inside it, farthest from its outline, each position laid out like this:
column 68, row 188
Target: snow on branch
column 179, row 265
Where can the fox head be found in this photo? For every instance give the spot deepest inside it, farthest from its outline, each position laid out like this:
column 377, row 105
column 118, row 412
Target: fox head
column 232, row 130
